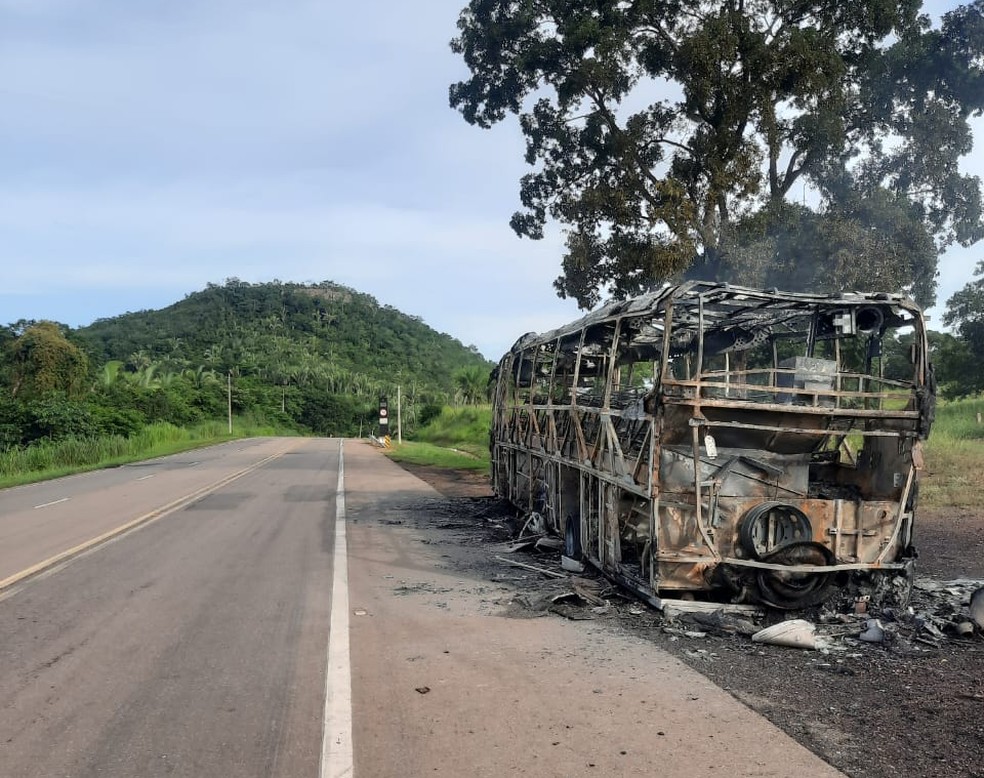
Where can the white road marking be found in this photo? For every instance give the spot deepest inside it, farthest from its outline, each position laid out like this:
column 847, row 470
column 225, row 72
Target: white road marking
column 144, row 478
column 336, row 733
column 53, row 502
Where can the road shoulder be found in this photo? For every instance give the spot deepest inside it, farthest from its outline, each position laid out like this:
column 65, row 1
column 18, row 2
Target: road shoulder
column 445, row 683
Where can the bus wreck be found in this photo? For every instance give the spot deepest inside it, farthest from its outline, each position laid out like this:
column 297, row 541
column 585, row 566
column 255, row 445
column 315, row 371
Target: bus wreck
column 736, row 444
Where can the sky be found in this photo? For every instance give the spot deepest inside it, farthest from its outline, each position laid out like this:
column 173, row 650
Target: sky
column 149, row 148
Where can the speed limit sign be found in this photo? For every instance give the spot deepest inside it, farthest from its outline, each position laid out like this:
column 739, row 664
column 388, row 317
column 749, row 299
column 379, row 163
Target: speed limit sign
column 383, row 416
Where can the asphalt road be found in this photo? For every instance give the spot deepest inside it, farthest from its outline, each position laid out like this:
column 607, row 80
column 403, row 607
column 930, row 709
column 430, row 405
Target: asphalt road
column 176, row 619
column 193, row 646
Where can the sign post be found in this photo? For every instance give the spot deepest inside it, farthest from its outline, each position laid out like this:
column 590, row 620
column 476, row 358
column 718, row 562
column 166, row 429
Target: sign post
column 384, row 419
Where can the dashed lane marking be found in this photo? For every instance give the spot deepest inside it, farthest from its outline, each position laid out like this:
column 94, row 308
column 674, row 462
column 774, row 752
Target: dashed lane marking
column 139, row 521
column 53, row 502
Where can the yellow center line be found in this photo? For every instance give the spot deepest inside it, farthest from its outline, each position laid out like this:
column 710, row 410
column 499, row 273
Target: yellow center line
column 145, row 519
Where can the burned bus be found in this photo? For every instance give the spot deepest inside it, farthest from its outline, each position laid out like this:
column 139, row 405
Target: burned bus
column 731, row 443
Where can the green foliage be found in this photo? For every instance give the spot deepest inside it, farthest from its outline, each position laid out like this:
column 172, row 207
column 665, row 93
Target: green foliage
column 958, row 420
column 428, row 413
column 671, row 137
column 955, row 456
column 335, row 415
column 55, row 417
column 872, row 243
column 958, row 370
column 317, row 356
column 965, row 314
column 455, row 438
column 42, row 360
column 436, row 456
column 293, row 357
column 284, row 334
column 472, row 384
column 290, row 358
column 465, row 428
column 49, row 458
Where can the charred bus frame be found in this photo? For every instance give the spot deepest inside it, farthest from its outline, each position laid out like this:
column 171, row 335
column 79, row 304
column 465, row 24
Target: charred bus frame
column 746, row 444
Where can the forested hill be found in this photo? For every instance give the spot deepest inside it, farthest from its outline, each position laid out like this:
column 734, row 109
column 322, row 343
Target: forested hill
column 280, row 358
column 287, row 356
column 286, row 334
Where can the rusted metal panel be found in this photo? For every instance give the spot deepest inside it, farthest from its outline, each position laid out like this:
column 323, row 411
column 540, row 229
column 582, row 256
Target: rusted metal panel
column 739, row 443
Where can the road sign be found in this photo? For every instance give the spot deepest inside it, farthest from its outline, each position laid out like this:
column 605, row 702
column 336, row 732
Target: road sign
column 383, row 417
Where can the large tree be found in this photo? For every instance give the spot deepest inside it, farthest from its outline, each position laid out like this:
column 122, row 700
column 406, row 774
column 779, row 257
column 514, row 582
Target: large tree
column 43, row 360
column 965, row 315
column 813, row 143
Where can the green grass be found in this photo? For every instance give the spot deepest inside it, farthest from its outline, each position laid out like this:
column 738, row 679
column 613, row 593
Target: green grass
column 456, row 439
column 44, row 460
column 954, row 473
column 436, row 456
column 465, row 428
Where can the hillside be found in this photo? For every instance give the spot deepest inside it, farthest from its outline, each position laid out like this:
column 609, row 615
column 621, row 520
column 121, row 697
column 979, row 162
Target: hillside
column 286, row 334
column 289, row 356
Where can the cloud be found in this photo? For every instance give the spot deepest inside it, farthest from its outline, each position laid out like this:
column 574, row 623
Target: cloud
column 150, row 148
column 175, row 239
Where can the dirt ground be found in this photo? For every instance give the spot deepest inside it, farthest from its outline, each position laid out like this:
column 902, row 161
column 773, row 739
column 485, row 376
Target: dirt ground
column 910, row 706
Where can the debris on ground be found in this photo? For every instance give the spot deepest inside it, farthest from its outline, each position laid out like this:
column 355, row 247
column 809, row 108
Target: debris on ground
column 977, row 607
column 906, row 706
column 794, row 633
column 923, row 616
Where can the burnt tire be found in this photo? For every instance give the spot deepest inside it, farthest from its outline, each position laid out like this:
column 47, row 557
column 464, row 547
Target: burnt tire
column 793, row 591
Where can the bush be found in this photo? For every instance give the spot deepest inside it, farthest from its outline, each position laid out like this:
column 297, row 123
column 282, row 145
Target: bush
column 465, row 427
column 117, row 421
column 55, row 417
column 332, row 414
column 428, row 413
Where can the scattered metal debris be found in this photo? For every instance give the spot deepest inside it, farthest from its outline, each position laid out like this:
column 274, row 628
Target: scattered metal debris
column 534, row 568
column 673, row 607
column 874, row 632
column 937, row 611
column 722, row 622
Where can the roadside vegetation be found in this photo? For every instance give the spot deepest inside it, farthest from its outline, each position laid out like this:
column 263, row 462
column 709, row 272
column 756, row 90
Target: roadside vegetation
column 955, row 456
column 457, row 438
column 46, row 459
column 287, row 359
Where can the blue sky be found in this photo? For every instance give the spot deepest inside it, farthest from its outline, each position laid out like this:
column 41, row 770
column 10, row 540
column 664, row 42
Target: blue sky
column 148, row 148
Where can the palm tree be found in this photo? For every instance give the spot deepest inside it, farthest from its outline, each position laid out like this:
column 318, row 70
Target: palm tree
column 472, row 384
column 200, row 376
column 110, row 373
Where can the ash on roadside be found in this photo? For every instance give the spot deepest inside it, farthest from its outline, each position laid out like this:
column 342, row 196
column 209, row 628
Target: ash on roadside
column 882, row 692
column 904, row 620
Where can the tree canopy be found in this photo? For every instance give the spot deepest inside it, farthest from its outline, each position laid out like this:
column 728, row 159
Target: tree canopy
column 773, row 142
column 965, row 315
column 42, row 360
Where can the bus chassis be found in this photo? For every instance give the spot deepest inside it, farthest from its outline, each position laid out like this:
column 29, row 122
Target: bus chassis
column 723, row 442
